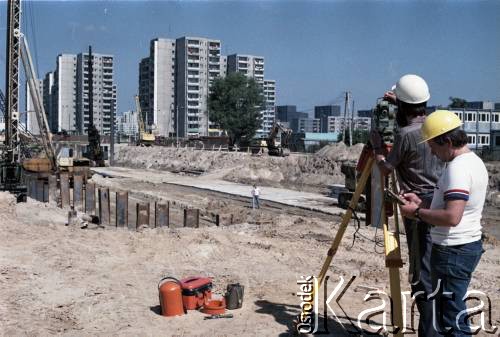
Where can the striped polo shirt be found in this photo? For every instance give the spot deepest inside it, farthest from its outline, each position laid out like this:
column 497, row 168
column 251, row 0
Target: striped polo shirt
column 465, row 178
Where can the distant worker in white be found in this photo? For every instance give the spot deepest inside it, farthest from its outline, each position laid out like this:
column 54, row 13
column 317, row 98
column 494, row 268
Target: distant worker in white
column 255, row 197
column 455, row 216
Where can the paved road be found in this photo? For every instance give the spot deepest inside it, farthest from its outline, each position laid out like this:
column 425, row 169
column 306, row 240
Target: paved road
column 305, row 200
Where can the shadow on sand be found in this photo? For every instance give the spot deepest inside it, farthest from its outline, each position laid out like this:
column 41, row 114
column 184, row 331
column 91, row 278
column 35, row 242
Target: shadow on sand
column 286, row 315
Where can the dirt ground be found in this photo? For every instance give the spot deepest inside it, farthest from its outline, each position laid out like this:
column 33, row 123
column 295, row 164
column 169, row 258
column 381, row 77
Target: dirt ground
column 58, row 279
column 69, row 281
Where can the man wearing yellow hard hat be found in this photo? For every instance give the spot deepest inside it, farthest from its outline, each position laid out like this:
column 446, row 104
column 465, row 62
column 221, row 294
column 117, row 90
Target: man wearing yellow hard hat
column 455, row 213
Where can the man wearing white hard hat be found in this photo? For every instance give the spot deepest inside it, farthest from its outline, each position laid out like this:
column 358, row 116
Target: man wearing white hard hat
column 417, row 171
column 455, row 213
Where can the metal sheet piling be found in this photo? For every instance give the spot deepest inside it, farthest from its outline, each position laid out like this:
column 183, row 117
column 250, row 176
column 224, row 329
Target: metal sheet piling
column 90, row 198
column 162, row 214
column 121, row 209
column 104, row 207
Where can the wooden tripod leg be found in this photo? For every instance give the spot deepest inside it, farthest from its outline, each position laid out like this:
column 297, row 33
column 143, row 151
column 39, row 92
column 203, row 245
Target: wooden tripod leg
column 394, row 263
column 345, row 220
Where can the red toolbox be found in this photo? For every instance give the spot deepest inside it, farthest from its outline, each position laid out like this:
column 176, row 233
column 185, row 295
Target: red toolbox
column 196, row 290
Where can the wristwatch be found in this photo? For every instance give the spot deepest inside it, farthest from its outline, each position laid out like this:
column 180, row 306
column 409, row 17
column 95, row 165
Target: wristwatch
column 416, row 214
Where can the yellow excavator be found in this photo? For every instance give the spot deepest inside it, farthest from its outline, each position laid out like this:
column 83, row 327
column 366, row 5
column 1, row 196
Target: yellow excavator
column 145, row 138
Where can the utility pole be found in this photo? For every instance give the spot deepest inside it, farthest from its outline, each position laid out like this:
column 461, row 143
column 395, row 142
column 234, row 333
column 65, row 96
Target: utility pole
column 95, row 152
column 346, row 108
column 351, row 122
column 112, row 137
column 177, row 125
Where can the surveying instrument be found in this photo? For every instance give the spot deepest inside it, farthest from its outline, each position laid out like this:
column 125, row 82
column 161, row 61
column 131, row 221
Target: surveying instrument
column 383, row 199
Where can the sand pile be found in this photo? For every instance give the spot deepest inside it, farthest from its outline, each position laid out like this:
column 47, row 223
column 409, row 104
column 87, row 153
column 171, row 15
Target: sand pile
column 7, row 206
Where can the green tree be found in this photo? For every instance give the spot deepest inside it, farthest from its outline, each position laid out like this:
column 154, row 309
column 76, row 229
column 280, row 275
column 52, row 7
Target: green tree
column 457, row 102
column 235, row 104
column 358, row 136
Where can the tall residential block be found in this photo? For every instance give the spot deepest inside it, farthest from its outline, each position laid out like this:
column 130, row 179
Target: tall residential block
column 157, row 87
column 63, row 115
column 66, row 93
column 198, row 63
column 249, row 65
column 50, row 100
column 31, row 120
column 104, row 92
column 268, row 117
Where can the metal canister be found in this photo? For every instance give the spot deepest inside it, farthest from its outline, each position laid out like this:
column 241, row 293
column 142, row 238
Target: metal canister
column 170, row 293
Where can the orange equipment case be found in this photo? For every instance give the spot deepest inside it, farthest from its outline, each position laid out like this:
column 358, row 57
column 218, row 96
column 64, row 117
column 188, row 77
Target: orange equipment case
column 196, row 290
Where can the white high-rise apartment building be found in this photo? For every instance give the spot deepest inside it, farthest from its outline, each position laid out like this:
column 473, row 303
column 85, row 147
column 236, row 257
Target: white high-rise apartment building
column 31, row 120
column 249, row 65
column 63, row 115
column 198, row 63
column 49, row 100
column 269, row 114
column 157, row 87
column 66, row 93
column 104, row 92
column 253, row 67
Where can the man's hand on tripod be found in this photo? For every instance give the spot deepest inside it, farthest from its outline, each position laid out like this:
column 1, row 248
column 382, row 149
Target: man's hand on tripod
column 412, row 197
column 410, row 209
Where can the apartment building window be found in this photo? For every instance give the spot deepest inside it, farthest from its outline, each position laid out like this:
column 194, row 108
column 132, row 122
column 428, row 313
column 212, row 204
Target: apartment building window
column 495, row 117
column 470, row 117
column 471, row 139
column 484, row 140
column 484, row 117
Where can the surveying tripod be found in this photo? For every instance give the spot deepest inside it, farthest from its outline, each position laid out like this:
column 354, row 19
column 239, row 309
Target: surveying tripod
column 391, row 238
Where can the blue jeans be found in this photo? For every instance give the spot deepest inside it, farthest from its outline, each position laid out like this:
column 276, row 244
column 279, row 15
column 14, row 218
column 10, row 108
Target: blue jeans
column 255, row 202
column 419, row 241
column 452, row 267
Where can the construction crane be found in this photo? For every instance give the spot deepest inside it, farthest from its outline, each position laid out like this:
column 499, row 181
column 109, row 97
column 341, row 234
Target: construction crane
column 94, row 153
column 10, row 168
column 50, row 162
column 278, row 140
column 145, row 138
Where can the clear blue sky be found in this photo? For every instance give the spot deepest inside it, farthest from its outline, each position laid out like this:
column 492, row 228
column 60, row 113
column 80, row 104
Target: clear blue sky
column 315, row 50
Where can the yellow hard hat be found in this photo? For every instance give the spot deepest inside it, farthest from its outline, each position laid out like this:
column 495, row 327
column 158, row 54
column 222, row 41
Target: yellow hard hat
column 439, row 122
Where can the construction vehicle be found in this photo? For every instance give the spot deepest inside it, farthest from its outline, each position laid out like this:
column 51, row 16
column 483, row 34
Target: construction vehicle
column 278, row 140
column 145, row 138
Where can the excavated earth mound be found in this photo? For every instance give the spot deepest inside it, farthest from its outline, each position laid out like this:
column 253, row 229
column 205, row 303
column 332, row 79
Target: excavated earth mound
column 297, row 171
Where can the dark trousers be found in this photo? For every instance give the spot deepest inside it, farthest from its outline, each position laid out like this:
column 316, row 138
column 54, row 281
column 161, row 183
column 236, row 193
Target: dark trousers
column 419, row 241
column 452, row 268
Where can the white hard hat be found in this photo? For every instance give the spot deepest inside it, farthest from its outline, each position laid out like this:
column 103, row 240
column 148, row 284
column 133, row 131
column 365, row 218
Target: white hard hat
column 412, row 89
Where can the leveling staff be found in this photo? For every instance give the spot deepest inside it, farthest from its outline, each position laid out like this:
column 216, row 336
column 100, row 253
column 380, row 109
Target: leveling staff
column 418, row 171
column 455, row 214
